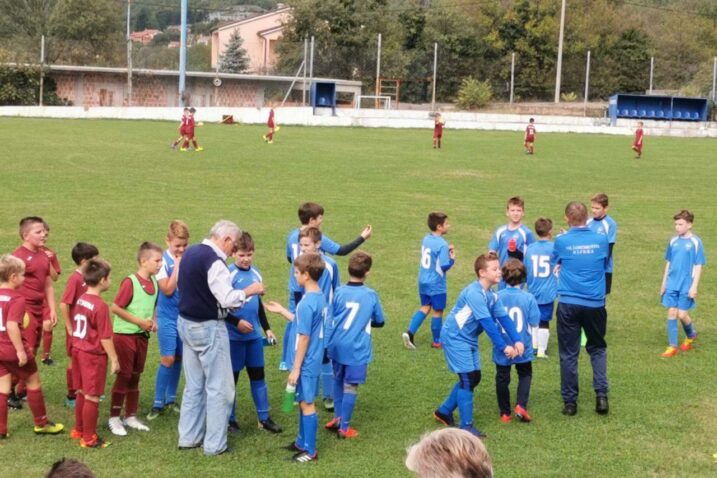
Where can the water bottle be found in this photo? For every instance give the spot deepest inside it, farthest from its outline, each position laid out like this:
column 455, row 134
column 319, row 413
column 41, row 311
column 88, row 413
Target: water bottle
column 287, row 405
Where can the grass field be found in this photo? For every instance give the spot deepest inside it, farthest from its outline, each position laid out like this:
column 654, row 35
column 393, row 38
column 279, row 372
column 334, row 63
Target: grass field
column 116, row 183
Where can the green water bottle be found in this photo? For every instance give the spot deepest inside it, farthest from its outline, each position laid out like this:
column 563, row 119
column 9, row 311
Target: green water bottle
column 287, row 405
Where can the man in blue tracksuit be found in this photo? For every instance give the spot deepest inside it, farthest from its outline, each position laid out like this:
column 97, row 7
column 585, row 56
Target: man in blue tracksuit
column 582, row 256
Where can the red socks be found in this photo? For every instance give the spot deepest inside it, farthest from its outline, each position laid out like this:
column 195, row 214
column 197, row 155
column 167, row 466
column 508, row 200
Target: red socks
column 71, row 392
column 36, row 401
column 46, row 343
column 90, row 411
column 3, row 413
column 79, row 412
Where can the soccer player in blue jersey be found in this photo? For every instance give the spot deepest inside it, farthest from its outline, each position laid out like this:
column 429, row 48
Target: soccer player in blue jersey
column 512, row 239
column 523, row 310
column 602, row 223
column 542, row 282
column 246, row 344
column 685, row 256
column 477, row 309
column 356, row 309
column 582, row 256
column 437, row 257
column 170, row 345
column 311, row 215
column 308, row 353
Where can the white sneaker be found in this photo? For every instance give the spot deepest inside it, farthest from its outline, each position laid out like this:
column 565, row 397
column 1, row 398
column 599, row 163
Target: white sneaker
column 134, row 423
column 116, row 427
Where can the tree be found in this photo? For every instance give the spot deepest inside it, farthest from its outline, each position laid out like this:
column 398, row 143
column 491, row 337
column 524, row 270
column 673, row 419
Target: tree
column 234, row 59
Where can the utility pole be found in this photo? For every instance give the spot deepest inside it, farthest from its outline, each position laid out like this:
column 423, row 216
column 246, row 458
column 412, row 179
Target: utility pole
column 512, row 76
column 560, row 53
column 378, row 67
column 42, row 67
column 183, row 54
column 652, row 71
column 435, row 68
column 129, row 53
column 587, row 82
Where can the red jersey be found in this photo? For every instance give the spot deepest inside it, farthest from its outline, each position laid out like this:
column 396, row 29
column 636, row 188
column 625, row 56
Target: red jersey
column 37, row 270
column 438, row 127
column 638, row 137
column 126, row 290
column 73, row 290
column 270, row 121
column 530, row 132
column 189, row 127
column 12, row 309
column 90, row 324
column 54, row 262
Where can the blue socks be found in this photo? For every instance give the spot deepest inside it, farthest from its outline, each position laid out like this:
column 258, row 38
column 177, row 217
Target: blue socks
column 300, row 437
column 672, row 332
column 451, row 402
column 285, row 342
column 347, row 409
column 311, row 425
column 338, row 396
column 416, row 321
column 260, row 395
column 465, row 406
column 160, row 386
column 173, row 382
column 690, row 331
column 327, row 379
column 436, row 323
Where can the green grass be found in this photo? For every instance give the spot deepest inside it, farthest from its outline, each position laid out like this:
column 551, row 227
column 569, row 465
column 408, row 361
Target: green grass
column 116, row 183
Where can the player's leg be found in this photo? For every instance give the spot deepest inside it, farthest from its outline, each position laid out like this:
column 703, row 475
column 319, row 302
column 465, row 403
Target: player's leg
column 468, row 382
column 124, row 346
column 594, row 322
column 71, row 392
column 90, row 413
column 46, row 336
column 237, row 352
column 670, row 300
column 502, row 391
column 36, row 400
column 435, row 140
column 339, row 382
column 438, row 304
column 569, row 349
column 416, row 321
column 76, row 432
column 546, row 315
column 525, row 377
column 440, row 136
column 688, row 326
column 132, row 405
column 327, row 382
column 166, row 362
column 5, row 386
column 308, row 388
column 91, row 378
column 257, row 382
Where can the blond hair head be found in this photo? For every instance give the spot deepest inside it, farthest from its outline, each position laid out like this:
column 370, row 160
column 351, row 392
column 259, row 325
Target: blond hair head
column 449, row 453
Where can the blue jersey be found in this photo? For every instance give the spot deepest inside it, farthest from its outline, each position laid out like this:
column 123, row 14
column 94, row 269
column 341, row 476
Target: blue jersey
column 435, row 262
column 356, row 308
column 241, row 279
column 683, row 254
column 608, row 227
column 582, row 256
column 167, row 305
column 476, row 310
column 329, row 282
column 540, row 270
column 293, row 251
column 511, row 243
column 522, row 309
column 310, row 316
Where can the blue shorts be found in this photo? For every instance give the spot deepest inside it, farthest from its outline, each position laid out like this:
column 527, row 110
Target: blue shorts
column 246, row 353
column 674, row 298
column 307, row 388
column 353, row 374
column 461, row 358
column 546, row 311
column 437, row 301
column 170, row 344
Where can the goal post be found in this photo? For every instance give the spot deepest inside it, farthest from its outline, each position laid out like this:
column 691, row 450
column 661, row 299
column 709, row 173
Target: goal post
column 373, row 102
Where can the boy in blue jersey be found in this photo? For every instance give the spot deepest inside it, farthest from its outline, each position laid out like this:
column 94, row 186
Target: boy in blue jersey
column 542, row 282
column 310, row 215
column 356, row 309
column 582, row 256
column 308, row 353
column 246, row 344
column 478, row 308
column 685, row 256
column 170, row 345
column 437, row 257
column 602, row 223
column 512, row 239
column 523, row 310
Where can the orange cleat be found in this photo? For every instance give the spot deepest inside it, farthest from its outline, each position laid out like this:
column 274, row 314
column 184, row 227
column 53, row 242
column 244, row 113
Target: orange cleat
column 687, row 344
column 349, row 433
column 75, row 434
column 670, row 352
column 505, row 418
column 523, row 414
column 334, row 424
column 436, row 345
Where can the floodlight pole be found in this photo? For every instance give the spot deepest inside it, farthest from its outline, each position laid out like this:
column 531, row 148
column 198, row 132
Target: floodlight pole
column 42, row 67
column 183, row 53
column 435, row 68
column 652, row 70
column 587, row 82
column 512, row 76
column 560, row 53
column 303, row 93
column 129, row 54
column 714, row 80
column 378, row 70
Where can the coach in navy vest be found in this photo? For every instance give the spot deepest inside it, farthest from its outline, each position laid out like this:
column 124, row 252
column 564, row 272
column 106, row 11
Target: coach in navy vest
column 582, row 256
column 205, row 299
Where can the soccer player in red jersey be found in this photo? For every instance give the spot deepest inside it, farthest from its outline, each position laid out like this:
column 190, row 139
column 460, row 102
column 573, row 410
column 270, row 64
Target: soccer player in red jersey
column 76, row 286
column 55, row 271
column 529, row 138
column 16, row 356
column 91, row 346
column 182, row 128
column 438, row 130
column 637, row 144
column 270, row 123
column 189, row 133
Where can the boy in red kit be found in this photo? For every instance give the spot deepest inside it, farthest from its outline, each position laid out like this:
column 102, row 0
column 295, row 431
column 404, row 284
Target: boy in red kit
column 134, row 318
column 637, row 144
column 76, row 286
column 438, row 130
column 37, row 289
column 189, row 133
column 269, row 136
column 91, row 345
column 55, row 271
column 16, row 357
column 182, row 127
column 529, row 138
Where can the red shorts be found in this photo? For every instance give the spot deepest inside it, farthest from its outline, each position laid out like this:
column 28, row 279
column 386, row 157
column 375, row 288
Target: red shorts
column 189, row 134
column 530, row 139
column 182, row 130
column 32, row 333
column 131, row 352
column 23, row 373
column 89, row 372
column 270, row 125
column 437, row 134
column 637, row 147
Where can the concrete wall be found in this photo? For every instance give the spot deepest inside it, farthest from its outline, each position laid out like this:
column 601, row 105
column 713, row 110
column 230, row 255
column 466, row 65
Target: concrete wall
column 376, row 119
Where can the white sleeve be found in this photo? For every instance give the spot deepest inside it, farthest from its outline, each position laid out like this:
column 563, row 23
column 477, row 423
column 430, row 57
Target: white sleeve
column 220, row 283
column 162, row 274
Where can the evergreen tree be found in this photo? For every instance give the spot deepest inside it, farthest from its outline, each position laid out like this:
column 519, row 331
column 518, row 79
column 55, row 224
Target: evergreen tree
column 234, row 59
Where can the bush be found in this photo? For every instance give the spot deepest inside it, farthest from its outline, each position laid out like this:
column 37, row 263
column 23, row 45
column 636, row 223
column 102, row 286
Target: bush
column 20, row 86
column 473, row 94
column 569, row 97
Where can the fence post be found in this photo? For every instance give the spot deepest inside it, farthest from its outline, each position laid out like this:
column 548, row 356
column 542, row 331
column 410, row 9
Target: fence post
column 652, row 70
column 587, row 84
column 42, row 67
column 512, row 76
column 435, row 68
